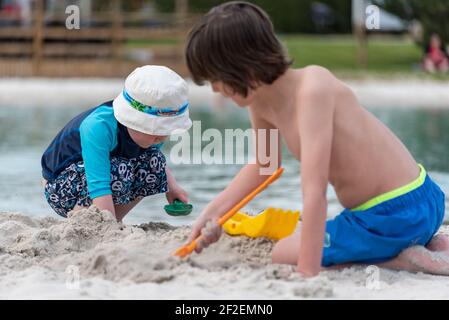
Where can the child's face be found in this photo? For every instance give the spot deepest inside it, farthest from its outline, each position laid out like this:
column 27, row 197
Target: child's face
column 435, row 41
column 145, row 140
column 228, row 92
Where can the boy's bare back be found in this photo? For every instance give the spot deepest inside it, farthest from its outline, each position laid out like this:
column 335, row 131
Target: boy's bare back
column 365, row 159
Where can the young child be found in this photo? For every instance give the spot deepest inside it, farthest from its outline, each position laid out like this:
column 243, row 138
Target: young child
column 393, row 208
column 436, row 58
column 110, row 155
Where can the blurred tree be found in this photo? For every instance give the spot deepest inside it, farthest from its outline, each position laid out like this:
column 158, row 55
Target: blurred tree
column 289, row 16
column 433, row 15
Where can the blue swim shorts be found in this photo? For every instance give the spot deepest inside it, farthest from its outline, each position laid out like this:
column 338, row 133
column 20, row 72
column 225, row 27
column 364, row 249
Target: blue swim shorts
column 380, row 229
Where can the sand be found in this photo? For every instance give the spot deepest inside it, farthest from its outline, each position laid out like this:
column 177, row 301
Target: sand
column 90, row 256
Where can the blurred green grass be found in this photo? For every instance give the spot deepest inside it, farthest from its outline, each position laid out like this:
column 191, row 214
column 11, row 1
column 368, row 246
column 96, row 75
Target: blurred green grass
column 149, row 43
column 388, row 56
column 340, row 53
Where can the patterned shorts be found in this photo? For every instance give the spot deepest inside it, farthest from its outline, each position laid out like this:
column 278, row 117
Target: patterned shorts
column 130, row 179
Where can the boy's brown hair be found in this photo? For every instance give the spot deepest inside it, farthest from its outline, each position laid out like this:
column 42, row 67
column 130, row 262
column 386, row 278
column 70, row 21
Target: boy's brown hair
column 235, row 43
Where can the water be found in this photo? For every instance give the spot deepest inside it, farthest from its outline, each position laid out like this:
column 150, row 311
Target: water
column 26, row 132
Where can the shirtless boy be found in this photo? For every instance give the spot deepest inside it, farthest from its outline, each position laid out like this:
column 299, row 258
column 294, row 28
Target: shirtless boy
column 393, row 208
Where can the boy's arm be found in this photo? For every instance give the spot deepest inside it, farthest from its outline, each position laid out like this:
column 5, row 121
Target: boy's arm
column 174, row 190
column 96, row 141
column 105, row 203
column 316, row 132
column 244, row 182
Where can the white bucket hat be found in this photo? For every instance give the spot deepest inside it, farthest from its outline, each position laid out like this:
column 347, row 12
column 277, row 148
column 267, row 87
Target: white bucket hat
column 154, row 101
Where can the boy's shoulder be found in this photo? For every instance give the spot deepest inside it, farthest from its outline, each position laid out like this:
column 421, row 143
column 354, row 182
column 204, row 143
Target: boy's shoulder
column 316, row 82
column 100, row 118
column 314, row 69
column 315, row 77
column 317, row 90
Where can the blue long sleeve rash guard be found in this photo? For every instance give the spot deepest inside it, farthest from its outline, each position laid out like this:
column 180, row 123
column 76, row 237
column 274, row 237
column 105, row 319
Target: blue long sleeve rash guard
column 93, row 136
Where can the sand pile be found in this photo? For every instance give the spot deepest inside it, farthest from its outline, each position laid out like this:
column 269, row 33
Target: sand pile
column 89, row 255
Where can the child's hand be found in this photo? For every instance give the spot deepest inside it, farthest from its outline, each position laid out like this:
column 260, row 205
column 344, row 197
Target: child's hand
column 209, row 234
column 208, row 228
column 176, row 192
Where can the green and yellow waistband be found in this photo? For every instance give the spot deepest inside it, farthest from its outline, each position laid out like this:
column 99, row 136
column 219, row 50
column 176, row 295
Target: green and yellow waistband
column 394, row 193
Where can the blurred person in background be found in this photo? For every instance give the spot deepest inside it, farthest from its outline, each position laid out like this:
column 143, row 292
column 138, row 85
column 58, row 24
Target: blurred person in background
column 436, row 59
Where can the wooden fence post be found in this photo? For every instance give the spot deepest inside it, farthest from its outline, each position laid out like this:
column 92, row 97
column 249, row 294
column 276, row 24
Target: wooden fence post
column 117, row 35
column 181, row 11
column 358, row 25
column 38, row 37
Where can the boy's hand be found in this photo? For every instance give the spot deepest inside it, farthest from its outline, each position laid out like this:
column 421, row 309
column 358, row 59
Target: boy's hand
column 208, row 228
column 209, row 234
column 176, row 192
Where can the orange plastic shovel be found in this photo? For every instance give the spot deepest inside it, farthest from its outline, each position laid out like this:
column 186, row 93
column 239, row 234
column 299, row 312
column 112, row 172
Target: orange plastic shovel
column 188, row 249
